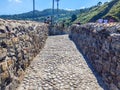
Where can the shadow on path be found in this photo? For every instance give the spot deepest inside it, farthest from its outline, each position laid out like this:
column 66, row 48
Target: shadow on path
column 96, row 74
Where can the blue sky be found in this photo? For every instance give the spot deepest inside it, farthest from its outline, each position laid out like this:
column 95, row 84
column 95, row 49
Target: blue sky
column 21, row 6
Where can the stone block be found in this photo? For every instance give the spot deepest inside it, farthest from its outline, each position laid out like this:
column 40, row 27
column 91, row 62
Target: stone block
column 10, row 62
column 119, row 84
column 3, row 53
column 118, row 78
column 4, row 76
column 113, row 87
column 3, row 36
column 4, row 66
column 118, row 68
column 15, row 40
column 106, row 67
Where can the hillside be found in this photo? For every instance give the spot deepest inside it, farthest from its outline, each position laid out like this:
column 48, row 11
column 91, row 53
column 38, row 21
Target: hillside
column 115, row 11
column 107, row 10
column 41, row 15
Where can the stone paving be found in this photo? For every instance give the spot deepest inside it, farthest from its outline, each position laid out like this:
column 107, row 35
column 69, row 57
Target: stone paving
column 60, row 66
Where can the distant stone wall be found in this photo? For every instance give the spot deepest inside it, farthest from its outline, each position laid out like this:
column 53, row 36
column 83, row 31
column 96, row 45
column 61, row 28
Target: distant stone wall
column 100, row 43
column 58, row 30
column 20, row 42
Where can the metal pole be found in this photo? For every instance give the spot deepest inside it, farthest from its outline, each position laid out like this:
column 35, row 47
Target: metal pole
column 52, row 18
column 33, row 9
column 57, row 6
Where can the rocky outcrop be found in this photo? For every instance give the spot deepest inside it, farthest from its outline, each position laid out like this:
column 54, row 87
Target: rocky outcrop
column 20, row 42
column 100, row 43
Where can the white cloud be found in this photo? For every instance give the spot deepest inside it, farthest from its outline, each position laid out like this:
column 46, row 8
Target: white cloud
column 109, row 0
column 17, row 1
column 82, row 7
column 69, row 9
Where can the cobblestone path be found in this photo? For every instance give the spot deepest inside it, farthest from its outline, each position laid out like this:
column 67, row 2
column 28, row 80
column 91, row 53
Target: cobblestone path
column 59, row 66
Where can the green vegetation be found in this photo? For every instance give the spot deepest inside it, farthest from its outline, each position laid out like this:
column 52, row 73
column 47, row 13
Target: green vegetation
column 41, row 15
column 73, row 18
column 107, row 10
column 115, row 11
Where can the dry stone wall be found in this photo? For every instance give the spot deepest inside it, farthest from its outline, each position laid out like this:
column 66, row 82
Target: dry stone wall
column 100, row 43
column 58, row 29
column 20, row 42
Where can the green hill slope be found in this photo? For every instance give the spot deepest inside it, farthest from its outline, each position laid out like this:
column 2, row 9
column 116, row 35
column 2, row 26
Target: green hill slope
column 115, row 11
column 107, row 10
